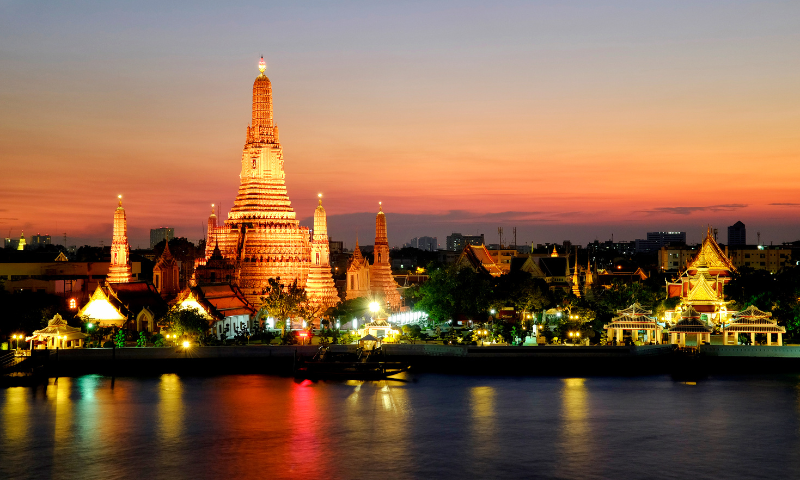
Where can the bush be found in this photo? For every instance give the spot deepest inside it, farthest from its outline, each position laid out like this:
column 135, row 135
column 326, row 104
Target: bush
column 348, row 338
column 160, row 342
column 119, row 339
column 108, row 344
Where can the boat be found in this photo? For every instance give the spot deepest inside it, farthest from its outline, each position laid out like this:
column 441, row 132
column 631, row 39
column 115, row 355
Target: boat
column 363, row 365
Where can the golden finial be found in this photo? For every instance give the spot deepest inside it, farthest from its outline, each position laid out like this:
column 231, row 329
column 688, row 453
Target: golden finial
column 212, row 209
column 262, row 65
column 380, row 206
column 120, row 200
column 319, row 195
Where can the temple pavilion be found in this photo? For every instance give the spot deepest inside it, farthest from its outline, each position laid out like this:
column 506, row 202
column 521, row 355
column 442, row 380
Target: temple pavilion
column 635, row 319
column 690, row 330
column 752, row 321
column 57, row 334
column 700, row 285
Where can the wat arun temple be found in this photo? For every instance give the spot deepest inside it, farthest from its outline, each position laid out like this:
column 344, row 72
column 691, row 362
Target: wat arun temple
column 262, row 238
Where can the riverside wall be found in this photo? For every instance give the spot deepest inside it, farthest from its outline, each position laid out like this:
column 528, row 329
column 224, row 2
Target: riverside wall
column 491, row 360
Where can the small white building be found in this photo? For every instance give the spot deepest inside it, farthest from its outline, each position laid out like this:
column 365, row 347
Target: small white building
column 229, row 313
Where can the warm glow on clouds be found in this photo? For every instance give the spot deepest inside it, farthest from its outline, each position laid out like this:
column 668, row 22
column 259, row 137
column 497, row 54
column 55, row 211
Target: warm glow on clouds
column 567, row 120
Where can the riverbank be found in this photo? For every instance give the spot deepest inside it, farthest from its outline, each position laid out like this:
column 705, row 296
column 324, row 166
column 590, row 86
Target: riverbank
column 493, row 360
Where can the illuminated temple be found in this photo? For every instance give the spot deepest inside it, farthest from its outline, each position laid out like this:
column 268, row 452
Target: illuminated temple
column 262, row 237
column 374, row 281
column 700, row 286
column 120, row 269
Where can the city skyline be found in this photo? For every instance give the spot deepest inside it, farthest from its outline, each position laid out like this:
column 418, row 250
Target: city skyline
column 567, row 122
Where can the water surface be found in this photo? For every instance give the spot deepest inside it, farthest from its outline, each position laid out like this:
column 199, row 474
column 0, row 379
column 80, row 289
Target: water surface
column 431, row 426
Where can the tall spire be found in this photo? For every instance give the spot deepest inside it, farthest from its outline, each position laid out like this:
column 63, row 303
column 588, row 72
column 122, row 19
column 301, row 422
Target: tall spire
column 381, row 239
column 120, row 269
column 381, row 281
column 261, row 127
column 320, row 286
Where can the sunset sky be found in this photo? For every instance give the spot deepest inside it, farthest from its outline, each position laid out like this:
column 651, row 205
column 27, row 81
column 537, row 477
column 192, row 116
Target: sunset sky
column 567, row 120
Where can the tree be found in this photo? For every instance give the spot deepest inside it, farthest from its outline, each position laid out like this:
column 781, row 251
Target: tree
column 283, row 302
column 453, row 291
column 185, row 321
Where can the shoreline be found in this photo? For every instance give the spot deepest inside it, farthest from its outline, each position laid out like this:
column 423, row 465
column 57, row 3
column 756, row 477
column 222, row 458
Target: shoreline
column 503, row 360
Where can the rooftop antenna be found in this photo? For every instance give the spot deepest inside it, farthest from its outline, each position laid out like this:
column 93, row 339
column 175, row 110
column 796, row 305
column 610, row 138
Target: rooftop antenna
column 759, row 237
column 500, row 232
column 515, row 237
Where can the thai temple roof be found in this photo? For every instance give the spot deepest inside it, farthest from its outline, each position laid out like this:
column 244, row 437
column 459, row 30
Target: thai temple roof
column 751, row 319
column 478, row 257
column 378, row 323
column 634, row 310
column 218, row 300
column 751, row 312
column 627, row 322
column 166, row 259
column 117, row 301
column 57, row 326
column 690, row 325
column 711, row 256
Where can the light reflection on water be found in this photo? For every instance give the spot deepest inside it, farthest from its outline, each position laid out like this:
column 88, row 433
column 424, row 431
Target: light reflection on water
column 431, row 426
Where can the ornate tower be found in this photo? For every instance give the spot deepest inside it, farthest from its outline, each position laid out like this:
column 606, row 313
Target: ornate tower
column 120, row 269
column 165, row 274
column 320, row 287
column 357, row 275
column 381, row 280
column 212, row 228
column 261, row 237
column 576, row 287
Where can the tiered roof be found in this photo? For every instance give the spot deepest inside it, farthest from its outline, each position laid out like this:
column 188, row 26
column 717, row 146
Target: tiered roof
column 753, row 320
column 479, row 259
column 711, row 256
column 690, row 323
column 218, row 300
column 632, row 318
column 634, row 310
column 57, row 327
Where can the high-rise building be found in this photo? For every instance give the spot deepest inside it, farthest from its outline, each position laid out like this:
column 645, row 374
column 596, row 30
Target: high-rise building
column 39, row 240
column 120, row 269
column 457, row 241
column 429, row 244
column 158, row 235
column 656, row 240
column 737, row 234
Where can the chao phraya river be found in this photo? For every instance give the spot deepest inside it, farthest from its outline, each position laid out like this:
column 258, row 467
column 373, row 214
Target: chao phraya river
column 429, row 426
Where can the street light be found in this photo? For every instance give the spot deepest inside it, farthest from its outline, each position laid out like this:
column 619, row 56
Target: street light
column 374, row 307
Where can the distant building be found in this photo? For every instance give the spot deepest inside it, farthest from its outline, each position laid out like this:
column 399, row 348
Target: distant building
column 758, row 257
column 456, row 241
column 40, row 240
column 429, row 244
column 656, row 240
column 336, row 246
column 737, row 234
column 158, row 235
